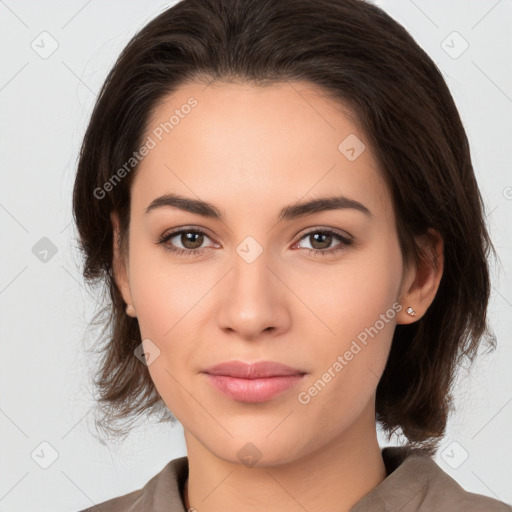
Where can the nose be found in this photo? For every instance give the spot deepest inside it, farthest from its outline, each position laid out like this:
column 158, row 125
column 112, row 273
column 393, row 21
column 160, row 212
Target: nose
column 254, row 299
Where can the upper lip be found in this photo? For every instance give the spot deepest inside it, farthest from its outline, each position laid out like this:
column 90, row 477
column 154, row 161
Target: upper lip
column 260, row 369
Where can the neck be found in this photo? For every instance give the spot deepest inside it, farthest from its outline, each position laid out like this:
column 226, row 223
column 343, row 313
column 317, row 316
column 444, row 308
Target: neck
column 333, row 478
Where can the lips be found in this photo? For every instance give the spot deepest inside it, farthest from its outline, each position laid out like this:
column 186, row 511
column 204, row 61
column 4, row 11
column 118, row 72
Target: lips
column 257, row 382
column 260, row 369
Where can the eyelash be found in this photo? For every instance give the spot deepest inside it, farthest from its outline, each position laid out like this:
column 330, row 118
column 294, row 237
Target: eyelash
column 345, row 242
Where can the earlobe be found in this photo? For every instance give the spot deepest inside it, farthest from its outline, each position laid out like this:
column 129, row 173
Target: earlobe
column 421, row 286
column 119, row 265
column 410, row 311
column 130, row 311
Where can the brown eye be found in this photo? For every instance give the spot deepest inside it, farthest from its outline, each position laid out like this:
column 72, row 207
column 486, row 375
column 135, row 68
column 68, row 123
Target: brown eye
column 184, row 241
column 321, row 242
column 191, row 239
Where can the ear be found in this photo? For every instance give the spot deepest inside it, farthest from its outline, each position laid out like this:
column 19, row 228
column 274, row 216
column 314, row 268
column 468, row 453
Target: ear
column 120, row 265
column 422, row 282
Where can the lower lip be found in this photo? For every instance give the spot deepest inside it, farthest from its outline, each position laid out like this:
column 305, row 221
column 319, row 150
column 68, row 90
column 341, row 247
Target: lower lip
column 253, row 390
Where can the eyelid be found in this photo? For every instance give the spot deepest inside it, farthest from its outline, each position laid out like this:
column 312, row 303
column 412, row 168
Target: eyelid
column 177, row 230
column 343, row 234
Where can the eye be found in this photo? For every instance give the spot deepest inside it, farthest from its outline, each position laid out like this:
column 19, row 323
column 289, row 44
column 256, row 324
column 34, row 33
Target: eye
column 191, row 240
column 321, row 240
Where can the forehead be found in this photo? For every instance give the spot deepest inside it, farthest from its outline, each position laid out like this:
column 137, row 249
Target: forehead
column 256, row 144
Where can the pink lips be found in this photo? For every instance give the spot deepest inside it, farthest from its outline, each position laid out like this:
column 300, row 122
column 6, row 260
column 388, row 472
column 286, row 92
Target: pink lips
column 256, row 382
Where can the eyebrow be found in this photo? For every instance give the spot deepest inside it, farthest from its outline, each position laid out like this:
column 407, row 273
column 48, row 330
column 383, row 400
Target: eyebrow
column 289, row 212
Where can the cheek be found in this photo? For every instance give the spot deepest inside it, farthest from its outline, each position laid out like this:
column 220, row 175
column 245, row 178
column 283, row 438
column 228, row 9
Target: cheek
column 358, row 311
column 169, row 299
column 348, row 365
column 164, row 297
column 164, row 291
column 350, row 298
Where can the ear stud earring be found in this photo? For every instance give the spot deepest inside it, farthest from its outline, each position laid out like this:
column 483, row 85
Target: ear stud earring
column 410, row 311
column 130, row 310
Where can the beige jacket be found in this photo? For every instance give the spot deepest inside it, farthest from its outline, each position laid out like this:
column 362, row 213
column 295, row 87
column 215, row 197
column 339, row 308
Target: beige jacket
column 415, row 483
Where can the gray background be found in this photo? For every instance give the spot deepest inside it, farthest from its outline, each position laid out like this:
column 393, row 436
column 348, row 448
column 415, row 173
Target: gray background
column 45, row 100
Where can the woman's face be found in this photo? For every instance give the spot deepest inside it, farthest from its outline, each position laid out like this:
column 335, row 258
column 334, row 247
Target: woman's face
column 254, row 290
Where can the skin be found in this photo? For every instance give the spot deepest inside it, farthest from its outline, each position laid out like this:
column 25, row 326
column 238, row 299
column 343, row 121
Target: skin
column 250, row 151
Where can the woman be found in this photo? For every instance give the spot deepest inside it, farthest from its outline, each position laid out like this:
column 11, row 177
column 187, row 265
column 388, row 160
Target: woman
column 280, row 198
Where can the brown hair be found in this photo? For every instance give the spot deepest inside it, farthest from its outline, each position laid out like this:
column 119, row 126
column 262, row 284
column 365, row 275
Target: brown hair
column 364, row 60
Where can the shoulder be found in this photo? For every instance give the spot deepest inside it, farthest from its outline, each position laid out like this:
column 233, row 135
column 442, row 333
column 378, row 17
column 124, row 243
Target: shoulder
column 444, row 493
column 415, row 483
column 126, row 503
column 161, row 492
